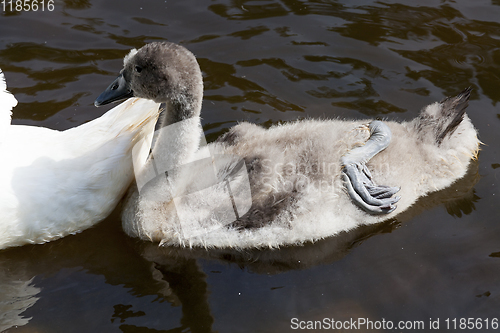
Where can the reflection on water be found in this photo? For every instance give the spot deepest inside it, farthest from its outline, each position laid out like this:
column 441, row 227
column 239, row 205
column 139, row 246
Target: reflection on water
column 265, row 62
column 16, row 296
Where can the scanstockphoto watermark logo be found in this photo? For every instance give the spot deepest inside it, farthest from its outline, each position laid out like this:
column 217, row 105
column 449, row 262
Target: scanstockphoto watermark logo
column 302, row 176
column 307, row 175
column 207, row 191
column 354, row 324
column 364, row 324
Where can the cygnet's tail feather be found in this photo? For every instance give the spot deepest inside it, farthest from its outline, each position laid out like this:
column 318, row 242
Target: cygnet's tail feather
column 453, row 110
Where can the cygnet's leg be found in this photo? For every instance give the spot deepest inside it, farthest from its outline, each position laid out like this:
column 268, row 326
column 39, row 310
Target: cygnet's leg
column 375, row 199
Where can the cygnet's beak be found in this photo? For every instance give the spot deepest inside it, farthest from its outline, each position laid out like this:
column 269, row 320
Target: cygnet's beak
column 118, row 90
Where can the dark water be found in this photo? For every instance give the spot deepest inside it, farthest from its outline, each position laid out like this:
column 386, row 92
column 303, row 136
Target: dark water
column 267, row 62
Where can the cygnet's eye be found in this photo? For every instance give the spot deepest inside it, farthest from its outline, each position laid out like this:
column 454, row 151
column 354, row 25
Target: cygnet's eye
column 138, row 69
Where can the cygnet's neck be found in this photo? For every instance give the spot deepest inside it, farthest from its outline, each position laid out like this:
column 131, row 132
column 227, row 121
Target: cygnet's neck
column 178, row 135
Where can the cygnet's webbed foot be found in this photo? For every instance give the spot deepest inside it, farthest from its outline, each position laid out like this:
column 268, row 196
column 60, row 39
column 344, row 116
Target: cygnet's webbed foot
column 375, row 199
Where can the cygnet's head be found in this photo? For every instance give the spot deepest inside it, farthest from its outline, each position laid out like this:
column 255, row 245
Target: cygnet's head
column 162, row 72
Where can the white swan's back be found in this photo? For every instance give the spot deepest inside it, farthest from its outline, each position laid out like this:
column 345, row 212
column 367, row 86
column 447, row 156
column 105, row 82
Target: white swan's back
column 55, row 183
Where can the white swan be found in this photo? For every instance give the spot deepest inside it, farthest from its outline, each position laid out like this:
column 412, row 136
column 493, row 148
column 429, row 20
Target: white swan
column 308, row 180
column 55, row 183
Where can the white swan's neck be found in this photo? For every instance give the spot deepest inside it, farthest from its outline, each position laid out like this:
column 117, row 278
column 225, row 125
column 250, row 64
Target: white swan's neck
column 7, row 102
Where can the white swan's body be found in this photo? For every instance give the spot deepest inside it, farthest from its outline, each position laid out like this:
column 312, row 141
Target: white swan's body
column 294, row 170
column 55, row 183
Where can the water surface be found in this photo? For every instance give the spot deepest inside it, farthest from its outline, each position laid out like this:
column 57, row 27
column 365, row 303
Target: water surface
column 266, row 62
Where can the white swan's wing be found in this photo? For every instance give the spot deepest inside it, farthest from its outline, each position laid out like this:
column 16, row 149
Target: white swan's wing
column 57, row 183
column 7, row 102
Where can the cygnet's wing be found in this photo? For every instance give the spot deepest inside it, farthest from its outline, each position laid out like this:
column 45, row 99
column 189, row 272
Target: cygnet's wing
column 375, row 199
